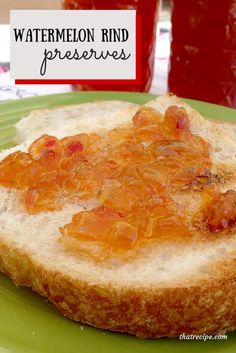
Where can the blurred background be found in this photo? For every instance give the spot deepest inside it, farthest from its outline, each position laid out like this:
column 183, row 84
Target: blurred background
column 6, row 5
column 193, row 53
column 9, row 91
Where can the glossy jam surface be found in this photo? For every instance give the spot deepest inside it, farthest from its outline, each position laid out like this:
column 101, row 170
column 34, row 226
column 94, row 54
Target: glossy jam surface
column 131, row 172
column 203, row 58
column 148, row 11
column 49, row 173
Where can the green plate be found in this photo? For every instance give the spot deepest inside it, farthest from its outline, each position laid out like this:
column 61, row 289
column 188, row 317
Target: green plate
column 28, row 323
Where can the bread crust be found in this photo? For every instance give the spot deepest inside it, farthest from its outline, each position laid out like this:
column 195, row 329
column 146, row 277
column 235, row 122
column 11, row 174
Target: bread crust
column 206, row 306
column 198, row 305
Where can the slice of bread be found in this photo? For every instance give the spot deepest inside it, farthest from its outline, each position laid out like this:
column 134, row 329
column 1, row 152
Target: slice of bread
column 174, row 288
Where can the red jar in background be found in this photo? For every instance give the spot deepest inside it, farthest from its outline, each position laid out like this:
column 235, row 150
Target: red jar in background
column 148, row 10
column 203, row 50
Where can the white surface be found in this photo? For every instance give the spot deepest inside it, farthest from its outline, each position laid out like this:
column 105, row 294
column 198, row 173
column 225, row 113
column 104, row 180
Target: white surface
column 90, row 56
column 9, row 91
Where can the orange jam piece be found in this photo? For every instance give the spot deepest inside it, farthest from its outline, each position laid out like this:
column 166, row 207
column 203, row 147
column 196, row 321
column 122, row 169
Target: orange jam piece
column 103, row 225
column 146, row 116
column 131, row 171
column 176, row 120
column 42, row 197
column 219, row 209
column 122, row 196
column 158, row 218
column 12, row 169
column 120, row 232
column 91, row 224
column 42, row 145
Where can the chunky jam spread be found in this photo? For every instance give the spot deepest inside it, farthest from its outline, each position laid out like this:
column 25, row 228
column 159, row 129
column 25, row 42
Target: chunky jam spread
column 219, row 209
column 131, row 172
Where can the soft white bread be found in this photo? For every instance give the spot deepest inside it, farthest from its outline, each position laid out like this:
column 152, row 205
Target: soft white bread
column 170, row 290
column 69, row 120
